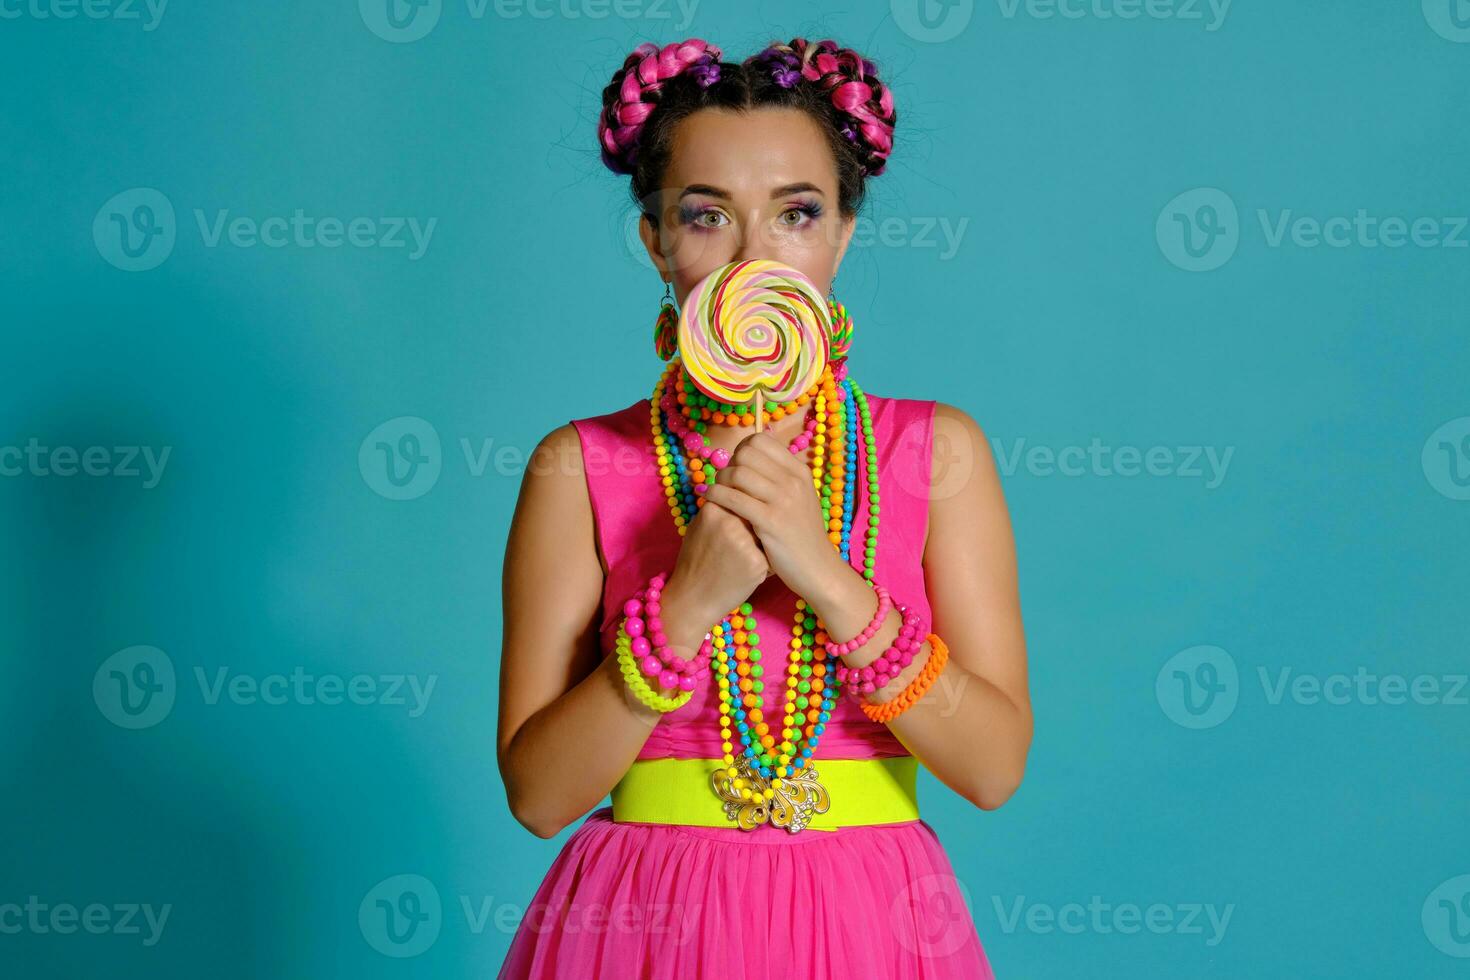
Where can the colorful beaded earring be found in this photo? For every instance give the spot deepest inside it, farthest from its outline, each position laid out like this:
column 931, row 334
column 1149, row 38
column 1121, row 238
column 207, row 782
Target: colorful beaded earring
column 841, row 327
column 666, row 327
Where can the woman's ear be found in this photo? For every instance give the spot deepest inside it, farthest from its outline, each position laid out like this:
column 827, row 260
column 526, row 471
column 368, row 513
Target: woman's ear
column 648, row 232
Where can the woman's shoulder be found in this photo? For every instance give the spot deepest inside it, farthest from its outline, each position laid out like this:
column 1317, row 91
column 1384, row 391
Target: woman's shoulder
column 931, row 438
column 635, row 415
column 929, row 410
column 903, row 416
column 572, row 440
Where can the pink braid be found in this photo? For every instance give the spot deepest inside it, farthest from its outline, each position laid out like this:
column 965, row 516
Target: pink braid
column 852, row 83
column 631, row 98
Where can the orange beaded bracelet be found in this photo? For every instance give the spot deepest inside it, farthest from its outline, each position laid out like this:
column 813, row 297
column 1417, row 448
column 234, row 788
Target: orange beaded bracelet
column 918, row 687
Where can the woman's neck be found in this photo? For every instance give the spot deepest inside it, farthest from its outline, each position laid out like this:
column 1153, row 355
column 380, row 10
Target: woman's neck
column 727, row 437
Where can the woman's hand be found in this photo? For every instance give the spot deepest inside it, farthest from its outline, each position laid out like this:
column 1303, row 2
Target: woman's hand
column 720, row 564
column 772, row 490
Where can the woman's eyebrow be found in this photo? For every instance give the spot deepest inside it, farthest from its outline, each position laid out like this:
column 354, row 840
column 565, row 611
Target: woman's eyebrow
column 711, row 191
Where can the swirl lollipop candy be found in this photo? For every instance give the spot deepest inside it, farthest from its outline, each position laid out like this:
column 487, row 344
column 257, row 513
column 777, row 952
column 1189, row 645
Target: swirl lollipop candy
column 753, row 330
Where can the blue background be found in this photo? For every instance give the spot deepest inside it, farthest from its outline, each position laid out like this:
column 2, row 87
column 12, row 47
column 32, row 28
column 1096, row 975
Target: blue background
column 1336, row 539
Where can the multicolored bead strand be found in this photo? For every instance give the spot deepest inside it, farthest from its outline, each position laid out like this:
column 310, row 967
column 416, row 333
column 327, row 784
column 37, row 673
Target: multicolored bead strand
column 702, row 410
column 870, row 461
column 840, row 435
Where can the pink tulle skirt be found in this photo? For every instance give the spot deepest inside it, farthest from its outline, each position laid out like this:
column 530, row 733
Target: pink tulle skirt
column 653, row 901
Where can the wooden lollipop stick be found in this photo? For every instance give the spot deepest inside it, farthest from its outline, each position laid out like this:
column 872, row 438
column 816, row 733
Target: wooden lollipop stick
column 758, row 410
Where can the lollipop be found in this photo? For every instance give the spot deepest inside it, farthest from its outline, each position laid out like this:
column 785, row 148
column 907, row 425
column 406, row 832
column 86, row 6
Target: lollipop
column 753, row 330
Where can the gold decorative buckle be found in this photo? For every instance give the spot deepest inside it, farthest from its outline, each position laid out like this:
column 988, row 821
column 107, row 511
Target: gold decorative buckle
column 784, row 802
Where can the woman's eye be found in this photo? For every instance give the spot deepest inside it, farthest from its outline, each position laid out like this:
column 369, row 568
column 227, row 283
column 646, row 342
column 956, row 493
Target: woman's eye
column 703, row 217
column 798, row 215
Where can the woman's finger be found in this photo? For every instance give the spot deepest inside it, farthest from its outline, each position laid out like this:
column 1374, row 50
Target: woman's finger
column 738, row 503
column 750, row 480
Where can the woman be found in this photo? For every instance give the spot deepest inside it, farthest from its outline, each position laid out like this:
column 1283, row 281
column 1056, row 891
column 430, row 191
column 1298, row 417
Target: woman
column 758, row 829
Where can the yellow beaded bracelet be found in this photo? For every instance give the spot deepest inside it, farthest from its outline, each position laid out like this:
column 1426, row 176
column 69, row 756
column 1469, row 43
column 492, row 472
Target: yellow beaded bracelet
column 639, row 685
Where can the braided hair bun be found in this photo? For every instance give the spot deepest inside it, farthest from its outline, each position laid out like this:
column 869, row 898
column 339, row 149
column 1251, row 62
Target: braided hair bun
column 850, row 81
column 631, row 96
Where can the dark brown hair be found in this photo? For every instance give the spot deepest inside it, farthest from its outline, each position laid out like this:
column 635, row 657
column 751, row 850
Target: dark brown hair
column 658, row 87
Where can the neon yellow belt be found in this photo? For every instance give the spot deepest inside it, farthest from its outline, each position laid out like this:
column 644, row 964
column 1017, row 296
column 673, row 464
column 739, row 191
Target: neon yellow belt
column 679, row 791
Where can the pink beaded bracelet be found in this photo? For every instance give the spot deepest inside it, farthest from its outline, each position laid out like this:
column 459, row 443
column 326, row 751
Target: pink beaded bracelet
column 885, row 603
column 650, row 646
column 890, row 663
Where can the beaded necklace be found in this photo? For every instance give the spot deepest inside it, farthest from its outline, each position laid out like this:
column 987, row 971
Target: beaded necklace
column 771, row 777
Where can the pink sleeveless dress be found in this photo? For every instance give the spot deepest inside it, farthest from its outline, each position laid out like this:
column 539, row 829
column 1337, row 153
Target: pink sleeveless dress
column 656, row 901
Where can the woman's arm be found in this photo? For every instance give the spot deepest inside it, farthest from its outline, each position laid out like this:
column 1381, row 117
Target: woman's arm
column 973, row 728
column 568, row 728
